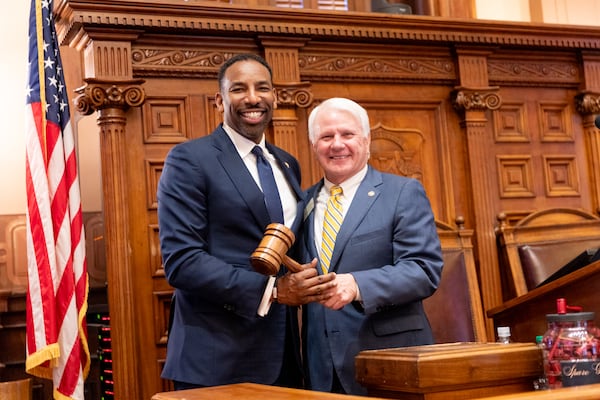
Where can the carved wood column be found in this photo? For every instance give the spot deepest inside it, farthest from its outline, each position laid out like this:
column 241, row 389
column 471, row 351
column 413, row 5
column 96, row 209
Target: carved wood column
column 110, row 90
column 587, row 103
column 111, row 100
column 472, row 99
column 282, row 55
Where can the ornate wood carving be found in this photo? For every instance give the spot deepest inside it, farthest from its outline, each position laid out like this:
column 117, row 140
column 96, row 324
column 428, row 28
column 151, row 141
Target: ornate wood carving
column 100, row 94
column 533, row 69
column 465, row 99
column 398, row 151
column 368, row 66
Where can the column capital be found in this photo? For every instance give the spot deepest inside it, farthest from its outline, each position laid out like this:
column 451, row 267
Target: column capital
column 587, row 102
column 297, row 94
column 99, row 94
column 476, row 99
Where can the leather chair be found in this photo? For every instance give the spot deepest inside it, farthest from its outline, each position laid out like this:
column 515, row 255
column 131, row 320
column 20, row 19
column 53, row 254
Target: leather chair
column 455, row 310
column 533, row 247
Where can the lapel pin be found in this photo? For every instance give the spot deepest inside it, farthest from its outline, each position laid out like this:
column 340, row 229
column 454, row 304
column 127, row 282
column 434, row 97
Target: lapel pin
column 286, row 164
column 371, row 193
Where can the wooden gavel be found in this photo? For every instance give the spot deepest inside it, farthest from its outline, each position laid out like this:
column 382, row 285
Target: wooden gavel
column 272, row 249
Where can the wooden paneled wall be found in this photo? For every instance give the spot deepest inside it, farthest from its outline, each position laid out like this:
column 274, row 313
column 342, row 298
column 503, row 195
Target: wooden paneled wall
column 13, row 288
column 490, row 116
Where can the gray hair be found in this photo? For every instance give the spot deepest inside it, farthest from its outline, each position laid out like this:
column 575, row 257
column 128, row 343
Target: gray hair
column 338, row 103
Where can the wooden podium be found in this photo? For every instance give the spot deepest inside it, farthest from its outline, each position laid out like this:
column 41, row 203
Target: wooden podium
column 526, row 314
column 449, row 371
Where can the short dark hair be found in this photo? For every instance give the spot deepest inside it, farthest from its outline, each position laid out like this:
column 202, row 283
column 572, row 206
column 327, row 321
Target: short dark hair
column 242, row 57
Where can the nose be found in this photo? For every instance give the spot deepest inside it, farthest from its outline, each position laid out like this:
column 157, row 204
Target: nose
column 252, row 96
column 337, row 141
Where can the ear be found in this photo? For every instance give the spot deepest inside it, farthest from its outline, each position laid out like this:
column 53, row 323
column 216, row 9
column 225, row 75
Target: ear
column 219, row 102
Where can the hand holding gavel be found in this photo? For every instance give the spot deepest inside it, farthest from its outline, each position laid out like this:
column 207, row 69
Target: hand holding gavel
column 272, row 249
column 302, row 287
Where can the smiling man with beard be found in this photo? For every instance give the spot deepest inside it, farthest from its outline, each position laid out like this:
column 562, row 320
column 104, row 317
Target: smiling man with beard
column 212, row 214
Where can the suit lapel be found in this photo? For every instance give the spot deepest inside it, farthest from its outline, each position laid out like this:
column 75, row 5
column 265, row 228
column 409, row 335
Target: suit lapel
column 366, row 194
column 309, row 220
column 242, row 180
column 287, row 171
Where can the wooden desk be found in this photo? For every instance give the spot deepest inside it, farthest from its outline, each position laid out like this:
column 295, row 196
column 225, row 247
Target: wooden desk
column 586, row 392
column 251, row 391
column 526, row 314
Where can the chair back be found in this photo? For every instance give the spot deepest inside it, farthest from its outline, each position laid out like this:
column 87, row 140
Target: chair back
column 533, row 247
column 455, row 311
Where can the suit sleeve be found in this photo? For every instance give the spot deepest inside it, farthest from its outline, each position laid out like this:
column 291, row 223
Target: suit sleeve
column 413, row 270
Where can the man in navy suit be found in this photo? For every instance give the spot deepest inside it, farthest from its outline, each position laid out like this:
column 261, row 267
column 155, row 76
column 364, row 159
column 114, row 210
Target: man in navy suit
column 386, row 257
column 212, row 215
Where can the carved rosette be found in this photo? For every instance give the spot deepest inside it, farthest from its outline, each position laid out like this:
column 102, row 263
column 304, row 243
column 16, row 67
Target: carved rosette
column 294, row 95
column 97, row 95
column 587, row 103
column 464, row 99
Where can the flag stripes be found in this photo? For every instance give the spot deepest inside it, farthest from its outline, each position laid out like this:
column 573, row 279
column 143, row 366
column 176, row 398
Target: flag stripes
column 56, row 339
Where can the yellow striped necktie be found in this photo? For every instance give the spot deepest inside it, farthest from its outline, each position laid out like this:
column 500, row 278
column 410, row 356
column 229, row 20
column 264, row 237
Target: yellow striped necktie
column 331, row 225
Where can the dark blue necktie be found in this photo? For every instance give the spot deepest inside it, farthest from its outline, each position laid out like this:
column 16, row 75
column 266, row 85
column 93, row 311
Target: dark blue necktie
column 269, row 187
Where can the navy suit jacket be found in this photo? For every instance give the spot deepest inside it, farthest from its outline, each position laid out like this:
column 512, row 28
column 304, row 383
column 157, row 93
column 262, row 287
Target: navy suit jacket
column 212, row 216
column 388, row 241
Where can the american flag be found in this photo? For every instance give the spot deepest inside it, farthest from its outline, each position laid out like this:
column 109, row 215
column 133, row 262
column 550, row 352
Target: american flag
column 57, row 346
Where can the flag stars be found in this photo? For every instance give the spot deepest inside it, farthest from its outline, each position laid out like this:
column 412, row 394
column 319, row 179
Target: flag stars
column 49, row 63
column 53, row 81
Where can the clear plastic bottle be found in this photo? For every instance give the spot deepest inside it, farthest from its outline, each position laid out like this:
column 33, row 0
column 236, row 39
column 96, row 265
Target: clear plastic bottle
column 541, row 383
column 503, row 334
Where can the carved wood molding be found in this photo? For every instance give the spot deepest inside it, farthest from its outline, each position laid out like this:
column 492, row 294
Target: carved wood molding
column 346, row 65
column 216, row 18
column 542, row 72
column 376, row 66
column 98, row 94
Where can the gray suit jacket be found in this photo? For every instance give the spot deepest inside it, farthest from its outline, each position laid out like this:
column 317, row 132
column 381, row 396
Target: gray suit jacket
column 211, row 218
column 389, row 242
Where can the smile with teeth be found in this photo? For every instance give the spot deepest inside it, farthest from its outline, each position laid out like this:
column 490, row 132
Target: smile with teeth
column 252, row 114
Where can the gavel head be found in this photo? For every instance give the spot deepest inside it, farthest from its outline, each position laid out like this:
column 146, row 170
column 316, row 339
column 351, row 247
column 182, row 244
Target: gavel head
column 270, row 253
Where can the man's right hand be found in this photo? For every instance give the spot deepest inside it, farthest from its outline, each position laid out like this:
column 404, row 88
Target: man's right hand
column 305, row 286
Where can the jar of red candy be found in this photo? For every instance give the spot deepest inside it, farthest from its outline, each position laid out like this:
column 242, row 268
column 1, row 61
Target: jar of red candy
column 571, row 348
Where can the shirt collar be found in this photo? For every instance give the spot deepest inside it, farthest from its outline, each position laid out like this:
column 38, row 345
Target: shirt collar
column 350, row 184
column 243, row 145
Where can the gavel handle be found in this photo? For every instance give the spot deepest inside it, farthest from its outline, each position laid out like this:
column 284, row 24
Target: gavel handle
column 291, row 264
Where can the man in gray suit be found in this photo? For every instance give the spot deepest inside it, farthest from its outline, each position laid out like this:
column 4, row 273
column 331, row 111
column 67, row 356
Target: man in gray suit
column 386, row 256
column 212, row 215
